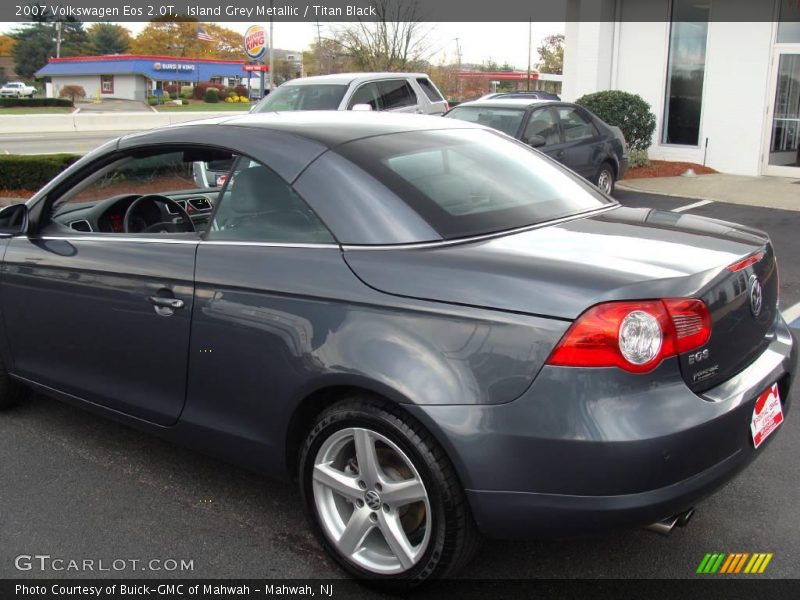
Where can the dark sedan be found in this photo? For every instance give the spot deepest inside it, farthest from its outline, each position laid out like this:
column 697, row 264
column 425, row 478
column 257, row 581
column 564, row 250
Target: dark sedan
column 566, row 132
column 437, row 331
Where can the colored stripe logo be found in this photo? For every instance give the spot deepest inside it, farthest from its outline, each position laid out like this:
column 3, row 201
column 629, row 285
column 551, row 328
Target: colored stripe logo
column 734, row 563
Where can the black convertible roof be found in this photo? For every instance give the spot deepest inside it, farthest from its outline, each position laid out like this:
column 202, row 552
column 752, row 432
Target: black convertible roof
column 332, row 128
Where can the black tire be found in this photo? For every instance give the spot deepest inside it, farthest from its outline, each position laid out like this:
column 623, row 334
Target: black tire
column 605, row 178
column 454, row 538
column 11, row 392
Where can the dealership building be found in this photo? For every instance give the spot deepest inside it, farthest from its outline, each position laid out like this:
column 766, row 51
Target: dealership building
column 134, row 76
column 721, row 76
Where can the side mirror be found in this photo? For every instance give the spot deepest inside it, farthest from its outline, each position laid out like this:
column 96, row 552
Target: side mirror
column 13, row 220
column 536, row 141
column 362, row 107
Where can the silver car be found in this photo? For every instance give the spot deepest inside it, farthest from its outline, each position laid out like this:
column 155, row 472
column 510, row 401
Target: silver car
column 396, row 92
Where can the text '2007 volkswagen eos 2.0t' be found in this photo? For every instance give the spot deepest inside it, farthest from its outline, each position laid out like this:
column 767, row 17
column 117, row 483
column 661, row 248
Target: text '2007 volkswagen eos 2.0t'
column 437, row 331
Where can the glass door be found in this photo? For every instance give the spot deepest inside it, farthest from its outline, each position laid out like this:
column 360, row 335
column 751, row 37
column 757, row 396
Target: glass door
column 784, row 145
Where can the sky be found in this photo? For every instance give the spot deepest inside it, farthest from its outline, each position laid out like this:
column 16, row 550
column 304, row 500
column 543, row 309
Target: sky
column 500, row 42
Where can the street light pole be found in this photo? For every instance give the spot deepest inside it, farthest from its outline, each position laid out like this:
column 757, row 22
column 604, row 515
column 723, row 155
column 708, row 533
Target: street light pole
column 528, row 87
column 271, row 53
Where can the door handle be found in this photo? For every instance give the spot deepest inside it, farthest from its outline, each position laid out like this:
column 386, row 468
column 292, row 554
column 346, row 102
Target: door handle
column 559, row 155
column 166, row 302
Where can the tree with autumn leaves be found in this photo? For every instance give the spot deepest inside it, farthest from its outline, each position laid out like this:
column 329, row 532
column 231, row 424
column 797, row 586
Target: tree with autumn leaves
column 33, row 44
column 179, row 38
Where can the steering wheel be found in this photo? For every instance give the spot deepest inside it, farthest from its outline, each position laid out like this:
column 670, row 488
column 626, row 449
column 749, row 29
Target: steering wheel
column 185, row 224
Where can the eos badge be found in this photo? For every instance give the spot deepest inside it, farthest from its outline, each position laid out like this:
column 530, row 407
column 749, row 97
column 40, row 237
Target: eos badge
column 756, row 296
column 696, row 357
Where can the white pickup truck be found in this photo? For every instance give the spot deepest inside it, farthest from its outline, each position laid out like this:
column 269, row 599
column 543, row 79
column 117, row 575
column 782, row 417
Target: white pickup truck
column 17, row 89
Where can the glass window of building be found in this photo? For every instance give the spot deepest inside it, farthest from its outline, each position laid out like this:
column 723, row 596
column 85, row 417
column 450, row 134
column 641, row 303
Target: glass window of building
column 685, row 72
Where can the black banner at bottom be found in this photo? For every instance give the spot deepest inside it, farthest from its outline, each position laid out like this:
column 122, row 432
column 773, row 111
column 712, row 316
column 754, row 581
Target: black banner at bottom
column 343, row 589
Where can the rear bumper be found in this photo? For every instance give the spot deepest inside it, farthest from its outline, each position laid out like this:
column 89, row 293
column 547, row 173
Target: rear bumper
column 587, row 450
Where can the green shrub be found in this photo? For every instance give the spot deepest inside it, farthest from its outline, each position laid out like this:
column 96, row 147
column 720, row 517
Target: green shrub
column 212, row 96
column 187, row 90
column 630, row 112
column 30, row 172
column 35, row 102
column 152, row 100
column 638, row 158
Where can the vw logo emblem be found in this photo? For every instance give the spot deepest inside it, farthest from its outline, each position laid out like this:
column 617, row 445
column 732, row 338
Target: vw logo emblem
column 372, row 499
column 756, row 296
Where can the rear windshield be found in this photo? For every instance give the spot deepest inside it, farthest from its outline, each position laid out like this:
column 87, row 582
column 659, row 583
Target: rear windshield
column 303, row 97
column 468, row 182
column 506, row 120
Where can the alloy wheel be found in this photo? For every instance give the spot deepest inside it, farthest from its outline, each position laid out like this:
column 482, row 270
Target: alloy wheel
column 371, row 500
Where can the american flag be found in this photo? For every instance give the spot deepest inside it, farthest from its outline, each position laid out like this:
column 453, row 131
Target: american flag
column 202, row 35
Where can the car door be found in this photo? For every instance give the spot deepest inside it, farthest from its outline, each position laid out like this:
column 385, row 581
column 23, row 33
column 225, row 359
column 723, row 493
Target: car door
column 583, row 146
column 98, row 314
column 544, row 123
column 264, row 271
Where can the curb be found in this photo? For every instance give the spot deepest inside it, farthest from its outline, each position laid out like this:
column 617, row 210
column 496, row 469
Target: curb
column 621, row 186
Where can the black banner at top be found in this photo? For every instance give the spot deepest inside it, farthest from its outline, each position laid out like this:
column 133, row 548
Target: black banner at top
column 390, row 10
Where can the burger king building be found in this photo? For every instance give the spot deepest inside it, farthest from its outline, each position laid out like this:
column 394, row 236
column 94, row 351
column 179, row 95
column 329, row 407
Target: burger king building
column 135, row 76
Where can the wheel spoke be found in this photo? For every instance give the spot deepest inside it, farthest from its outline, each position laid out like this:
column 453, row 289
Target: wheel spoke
column 355, row 531
column 337, row 481
column 395, row 537
column 400, row 493
column 368, row 467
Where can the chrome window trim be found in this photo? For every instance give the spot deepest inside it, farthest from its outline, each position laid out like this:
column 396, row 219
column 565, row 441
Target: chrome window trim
column 90, row 238
column 478, row 238
column 347, row 247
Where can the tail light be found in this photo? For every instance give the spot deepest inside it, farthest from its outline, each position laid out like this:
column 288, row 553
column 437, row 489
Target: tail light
column 634, row 336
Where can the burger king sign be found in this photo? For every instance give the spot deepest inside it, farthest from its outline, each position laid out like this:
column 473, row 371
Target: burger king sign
column 255, row 42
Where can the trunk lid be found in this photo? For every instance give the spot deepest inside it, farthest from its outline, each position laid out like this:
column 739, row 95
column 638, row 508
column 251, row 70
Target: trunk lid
column 560, row 270
column 743, row 305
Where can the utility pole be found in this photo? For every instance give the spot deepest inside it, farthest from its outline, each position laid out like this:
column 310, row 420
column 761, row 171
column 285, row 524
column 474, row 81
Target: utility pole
column 528, row 81
column 320, row 53
column 58, row 39
column 458, row 74
column 271, row 48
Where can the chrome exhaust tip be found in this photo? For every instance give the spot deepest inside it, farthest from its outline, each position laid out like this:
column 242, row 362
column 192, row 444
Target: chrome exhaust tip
column 666, row 526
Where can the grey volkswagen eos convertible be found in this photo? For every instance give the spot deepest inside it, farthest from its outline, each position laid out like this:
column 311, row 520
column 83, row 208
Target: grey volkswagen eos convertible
column 437, row 331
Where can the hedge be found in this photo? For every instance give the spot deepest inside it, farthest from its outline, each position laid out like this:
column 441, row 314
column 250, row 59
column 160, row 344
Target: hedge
column 35, row 102
column 199, row 90
column 630, row 112
column 30, row 172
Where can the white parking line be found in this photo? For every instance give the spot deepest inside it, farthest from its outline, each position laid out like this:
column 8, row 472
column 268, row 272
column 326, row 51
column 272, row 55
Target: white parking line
column 693, row 205
column 792, row 313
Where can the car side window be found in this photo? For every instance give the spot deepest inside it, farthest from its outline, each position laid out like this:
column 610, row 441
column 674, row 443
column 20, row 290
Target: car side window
column 367, row 94
column 543, row 123
column 430, row 90
column 576, row 127
column 259, row 206
column 396, row 93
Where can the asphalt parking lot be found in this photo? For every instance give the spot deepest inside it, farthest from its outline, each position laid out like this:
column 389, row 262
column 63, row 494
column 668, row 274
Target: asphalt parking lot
column 73, row 485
